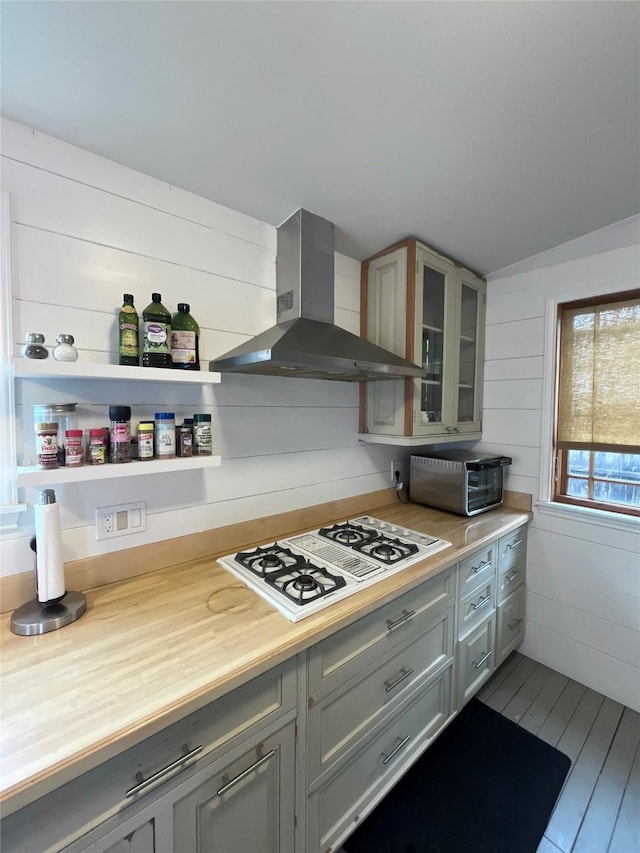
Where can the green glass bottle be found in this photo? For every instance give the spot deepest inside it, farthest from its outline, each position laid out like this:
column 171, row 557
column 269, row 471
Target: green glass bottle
column 129, row 333
column 156, row 346
column 185, row 339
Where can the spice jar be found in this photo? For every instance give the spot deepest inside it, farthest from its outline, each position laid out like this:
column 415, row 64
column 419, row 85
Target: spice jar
column 47, row 444
column 65, row 351
column 120, row 434
column 74, row 452
column 145, row 440
column 64, row 415
column 97, row 446
column 33, row 347
column 165, row 435
column 202, row 440
column 184, row 440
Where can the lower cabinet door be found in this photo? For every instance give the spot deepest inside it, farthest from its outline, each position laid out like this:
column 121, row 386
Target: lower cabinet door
column 476, row 660
column 511, row 623
column 247, row 807
column 139, row 840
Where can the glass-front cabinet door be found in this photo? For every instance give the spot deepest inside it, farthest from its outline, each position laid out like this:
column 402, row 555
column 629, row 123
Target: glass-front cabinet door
column 436, row 281
column 470, row 312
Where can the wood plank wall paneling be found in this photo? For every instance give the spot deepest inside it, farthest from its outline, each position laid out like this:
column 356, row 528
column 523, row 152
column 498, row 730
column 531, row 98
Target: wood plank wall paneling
column 86, row 231
column 583, row 576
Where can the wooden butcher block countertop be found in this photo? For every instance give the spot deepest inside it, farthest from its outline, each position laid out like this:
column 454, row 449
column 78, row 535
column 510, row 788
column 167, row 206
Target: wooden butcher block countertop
column 153, row 648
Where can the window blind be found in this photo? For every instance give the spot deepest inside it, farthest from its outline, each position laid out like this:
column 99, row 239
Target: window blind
column 599, row 376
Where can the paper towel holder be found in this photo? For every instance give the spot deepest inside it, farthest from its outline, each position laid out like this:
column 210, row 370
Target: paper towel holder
column 35, row 618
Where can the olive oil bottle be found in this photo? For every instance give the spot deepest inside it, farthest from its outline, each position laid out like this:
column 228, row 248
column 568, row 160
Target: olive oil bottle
column 156, row 347
column 129, row 333
column 185, row 339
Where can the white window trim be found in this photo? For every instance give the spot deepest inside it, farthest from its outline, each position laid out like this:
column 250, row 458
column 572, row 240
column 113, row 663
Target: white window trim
column 10, row 508
column 545, row 504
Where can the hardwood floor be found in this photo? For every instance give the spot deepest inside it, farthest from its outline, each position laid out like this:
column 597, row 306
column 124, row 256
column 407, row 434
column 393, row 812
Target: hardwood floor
column 598, row 810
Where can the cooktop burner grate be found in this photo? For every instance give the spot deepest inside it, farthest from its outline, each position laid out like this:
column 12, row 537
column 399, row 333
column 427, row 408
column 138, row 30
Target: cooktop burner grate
column 263, row 561
column 389, row 551
column 306, row 584
column 347, row 533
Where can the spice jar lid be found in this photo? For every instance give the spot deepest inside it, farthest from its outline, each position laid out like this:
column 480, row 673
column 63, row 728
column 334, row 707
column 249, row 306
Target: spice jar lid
column 54, row 408
column 146, row 425
column 200, row 418
column 120, row 413
column 165, row 416
column 34, row 338
column 97, row 432
column 73, row 433
column 46, row 427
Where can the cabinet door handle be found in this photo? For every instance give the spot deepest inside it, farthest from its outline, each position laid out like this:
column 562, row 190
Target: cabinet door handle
column 406, row 616
column 404, row 673
column 483, row 565
column 516, row 544
column 449, row 429
column 514, row 624
column 229, row 783
column 144, row 783
column 509, row 578
column 480, row 603
column 403, row 742
column 456, row 429
column 484, row 657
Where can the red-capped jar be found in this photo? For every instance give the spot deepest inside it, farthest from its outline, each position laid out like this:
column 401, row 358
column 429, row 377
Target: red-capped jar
column 74, row 451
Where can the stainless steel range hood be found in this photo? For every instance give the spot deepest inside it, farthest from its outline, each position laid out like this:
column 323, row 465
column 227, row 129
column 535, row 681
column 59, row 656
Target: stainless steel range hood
column 305, row 342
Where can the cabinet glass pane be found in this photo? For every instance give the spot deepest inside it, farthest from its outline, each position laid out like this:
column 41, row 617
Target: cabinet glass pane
column 433, row 318
column 467, row 354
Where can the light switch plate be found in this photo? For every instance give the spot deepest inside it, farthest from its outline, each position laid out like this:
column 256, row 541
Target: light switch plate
column 120, row 520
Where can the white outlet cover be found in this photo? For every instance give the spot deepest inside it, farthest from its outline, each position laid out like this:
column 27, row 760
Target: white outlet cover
column 134, row 513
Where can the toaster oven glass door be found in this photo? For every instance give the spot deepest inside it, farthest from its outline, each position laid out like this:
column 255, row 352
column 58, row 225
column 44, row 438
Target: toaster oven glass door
column 484, row 488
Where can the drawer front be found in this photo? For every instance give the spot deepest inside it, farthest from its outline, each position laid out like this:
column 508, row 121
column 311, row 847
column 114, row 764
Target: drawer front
column 511, row 578
column 173, row 754
column 478, row 569
column 513, row 548
column 352, row 793
column 336, row 723
column 476, row 660
column 337, row 658
column 475, row 607
column 511, row 623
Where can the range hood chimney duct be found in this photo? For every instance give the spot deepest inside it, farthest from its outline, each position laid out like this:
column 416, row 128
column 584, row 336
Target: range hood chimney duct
column 305, row 342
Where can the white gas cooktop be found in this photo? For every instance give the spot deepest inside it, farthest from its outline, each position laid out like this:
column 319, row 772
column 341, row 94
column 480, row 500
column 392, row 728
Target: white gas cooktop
column 303, row 574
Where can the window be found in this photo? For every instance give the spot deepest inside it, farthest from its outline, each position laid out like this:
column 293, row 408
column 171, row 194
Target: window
column 598, row 404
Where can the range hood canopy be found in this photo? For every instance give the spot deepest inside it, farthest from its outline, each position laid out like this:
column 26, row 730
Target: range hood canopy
column 305, row 342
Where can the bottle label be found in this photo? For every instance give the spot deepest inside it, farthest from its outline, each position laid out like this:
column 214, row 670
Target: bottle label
column 128, row 339
column 157, row 338
column 183, row 347
column 145, row 445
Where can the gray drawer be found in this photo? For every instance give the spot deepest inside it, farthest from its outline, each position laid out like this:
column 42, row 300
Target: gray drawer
column 478, row 569
column 511, row 623
column 339, row 721
column 355, row 647
column 476, row 660
column 475, row 607
column 511, row 578
column 351, row 793
column 513, row 548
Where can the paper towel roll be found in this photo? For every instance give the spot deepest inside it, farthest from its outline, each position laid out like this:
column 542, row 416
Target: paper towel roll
column 49, row 565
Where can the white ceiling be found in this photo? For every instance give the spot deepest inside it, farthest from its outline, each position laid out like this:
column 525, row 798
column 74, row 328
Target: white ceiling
column 491, row 130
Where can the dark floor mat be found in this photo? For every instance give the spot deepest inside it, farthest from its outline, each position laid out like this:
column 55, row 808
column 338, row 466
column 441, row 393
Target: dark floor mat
column 484, row 786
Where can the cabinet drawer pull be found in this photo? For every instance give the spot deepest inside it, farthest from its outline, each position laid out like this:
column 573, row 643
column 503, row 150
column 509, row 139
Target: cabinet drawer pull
column 229, row 783
column 514, row 624
column 516, row 544
column 406, row 615
column 509, row 578
column 480, row 603
column 484, row 658
column 483, row 565
column 404, row 673
column 403, row 742
column 144, row 783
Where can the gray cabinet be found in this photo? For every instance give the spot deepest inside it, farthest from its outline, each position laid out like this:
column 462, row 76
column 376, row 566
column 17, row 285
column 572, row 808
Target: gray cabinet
column 127, row 803
column 511, row 593
column 424, row 307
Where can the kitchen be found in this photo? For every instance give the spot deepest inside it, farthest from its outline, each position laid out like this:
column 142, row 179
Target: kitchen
column 286, row 445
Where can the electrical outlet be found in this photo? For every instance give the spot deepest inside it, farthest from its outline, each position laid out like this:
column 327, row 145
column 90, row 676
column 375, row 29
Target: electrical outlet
column 120, row 520
column 396, row 465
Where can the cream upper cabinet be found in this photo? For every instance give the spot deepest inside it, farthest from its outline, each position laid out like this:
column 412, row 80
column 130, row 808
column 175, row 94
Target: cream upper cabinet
column 424, row 307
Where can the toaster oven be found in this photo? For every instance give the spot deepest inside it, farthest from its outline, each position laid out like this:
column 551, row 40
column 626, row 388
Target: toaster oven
column 460, row 481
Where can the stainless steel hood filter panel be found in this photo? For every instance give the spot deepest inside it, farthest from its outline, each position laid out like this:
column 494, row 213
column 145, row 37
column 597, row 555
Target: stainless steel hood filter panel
column 305, row 342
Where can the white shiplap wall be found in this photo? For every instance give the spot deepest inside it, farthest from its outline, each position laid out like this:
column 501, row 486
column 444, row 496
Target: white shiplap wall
column 85, row 231
column 583, row 574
